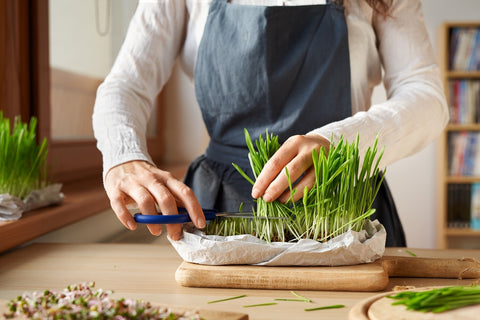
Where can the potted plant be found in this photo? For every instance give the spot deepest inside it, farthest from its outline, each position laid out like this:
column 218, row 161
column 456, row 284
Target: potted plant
column 23, row 170
column 329, row 226
column 340, row 200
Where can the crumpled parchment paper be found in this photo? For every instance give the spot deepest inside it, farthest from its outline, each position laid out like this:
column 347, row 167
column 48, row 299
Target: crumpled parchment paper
column 349, row 248
column 11, row 208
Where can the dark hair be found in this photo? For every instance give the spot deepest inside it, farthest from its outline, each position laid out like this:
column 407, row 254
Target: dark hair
column 380, row 6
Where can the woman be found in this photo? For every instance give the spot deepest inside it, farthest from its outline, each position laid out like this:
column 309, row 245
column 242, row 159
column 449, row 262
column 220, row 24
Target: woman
column 303, row 69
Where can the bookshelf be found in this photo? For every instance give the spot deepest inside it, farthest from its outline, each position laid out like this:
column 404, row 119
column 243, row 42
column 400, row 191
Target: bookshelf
column 460, row 142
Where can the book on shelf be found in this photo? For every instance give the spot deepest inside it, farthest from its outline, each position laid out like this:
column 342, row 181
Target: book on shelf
column 463, row 206
column 475, row 206
column 465, row 49
column 464, row 153
column 464, row 101
column 459, row 205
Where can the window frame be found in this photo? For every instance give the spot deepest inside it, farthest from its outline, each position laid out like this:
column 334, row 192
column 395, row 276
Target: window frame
column 68, row 159
column 25, row 92
column 14, row 59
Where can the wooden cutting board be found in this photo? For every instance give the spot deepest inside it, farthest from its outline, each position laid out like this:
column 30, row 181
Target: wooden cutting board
column 379, row 307
column 365, row 277
column 204, row 313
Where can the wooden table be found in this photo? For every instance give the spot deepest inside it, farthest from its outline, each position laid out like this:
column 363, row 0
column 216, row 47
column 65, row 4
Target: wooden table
column 146, row 271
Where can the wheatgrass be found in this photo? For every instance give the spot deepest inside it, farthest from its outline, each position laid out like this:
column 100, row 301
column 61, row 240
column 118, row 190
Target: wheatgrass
column 22, row 159
column 340, row 200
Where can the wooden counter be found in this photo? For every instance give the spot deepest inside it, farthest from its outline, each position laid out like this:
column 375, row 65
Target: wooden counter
column 83, row 198
column 146, row 271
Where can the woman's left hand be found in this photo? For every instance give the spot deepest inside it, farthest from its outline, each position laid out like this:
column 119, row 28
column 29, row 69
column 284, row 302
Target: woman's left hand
column 295, row 155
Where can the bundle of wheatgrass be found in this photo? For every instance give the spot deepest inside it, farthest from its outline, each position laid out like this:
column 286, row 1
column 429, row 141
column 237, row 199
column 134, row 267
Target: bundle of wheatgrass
column 340, row 200
column 22, row 159
column 439, row 299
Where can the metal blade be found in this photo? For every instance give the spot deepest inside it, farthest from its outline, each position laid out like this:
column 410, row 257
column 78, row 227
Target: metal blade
column 247, row 215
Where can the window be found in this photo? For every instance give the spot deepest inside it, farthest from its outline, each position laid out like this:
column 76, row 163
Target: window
column 43, row 74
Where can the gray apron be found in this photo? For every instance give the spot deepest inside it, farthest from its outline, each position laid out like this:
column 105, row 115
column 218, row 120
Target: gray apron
column 281, row 68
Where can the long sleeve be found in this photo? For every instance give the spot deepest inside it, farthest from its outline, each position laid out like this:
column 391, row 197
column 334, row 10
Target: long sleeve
column 126, row 98
column 415, row 111
column 414, row 114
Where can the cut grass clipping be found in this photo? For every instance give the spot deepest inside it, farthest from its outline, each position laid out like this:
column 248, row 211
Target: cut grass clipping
column 439, row 300
column 22, row 159
column 340, row 200
column 227, row 299
column 299, row 299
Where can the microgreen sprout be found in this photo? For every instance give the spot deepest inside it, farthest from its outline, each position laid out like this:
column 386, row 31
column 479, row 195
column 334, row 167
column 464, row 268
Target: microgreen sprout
column 340, row 200
column 82, row 301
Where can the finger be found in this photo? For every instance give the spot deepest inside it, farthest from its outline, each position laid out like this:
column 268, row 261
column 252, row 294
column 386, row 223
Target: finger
column 175, row 231
column 168, row 206
column 118, row 204
column 306, row 181
column 155, row 229
column 146, row 204
column 272, row 169
column 296, row 168
column 187, row 197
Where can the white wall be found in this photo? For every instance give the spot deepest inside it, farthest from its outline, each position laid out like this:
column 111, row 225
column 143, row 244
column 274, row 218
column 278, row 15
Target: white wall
column 413, row 180
column 75, row 43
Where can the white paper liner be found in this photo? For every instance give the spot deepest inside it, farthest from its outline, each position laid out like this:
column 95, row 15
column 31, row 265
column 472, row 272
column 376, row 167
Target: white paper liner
column 349, row 248
column 11, row 207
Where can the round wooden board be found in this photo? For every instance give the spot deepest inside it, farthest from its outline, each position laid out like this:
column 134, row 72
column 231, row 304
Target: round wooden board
column 379, row 307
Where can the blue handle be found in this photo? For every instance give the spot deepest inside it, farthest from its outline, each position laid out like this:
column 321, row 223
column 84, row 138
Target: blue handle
column 182, row 217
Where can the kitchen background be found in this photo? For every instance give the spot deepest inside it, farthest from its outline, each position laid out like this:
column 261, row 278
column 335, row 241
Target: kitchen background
column 98, row 37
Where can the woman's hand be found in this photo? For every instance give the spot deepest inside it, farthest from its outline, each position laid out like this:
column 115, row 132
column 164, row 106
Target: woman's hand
column 140, row 183
column 296, row 155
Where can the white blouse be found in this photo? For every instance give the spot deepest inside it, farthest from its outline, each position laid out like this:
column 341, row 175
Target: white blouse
column 414, row 114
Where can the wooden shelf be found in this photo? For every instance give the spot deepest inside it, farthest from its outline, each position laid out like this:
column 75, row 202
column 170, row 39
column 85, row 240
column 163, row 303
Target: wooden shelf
column 463, row 127
column 452, row 74
column 462, row 179
column 450, row 237
column 83, row 198
column 462, row 232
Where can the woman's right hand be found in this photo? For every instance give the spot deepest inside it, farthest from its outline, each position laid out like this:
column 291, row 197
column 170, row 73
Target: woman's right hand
column 141, row 183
